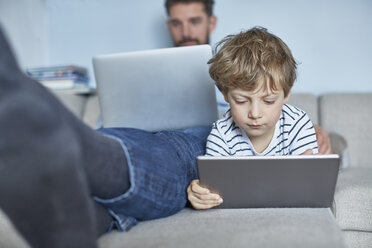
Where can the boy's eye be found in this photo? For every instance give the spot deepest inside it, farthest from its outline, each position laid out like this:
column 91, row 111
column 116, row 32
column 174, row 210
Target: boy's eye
column 240, row 101
column 269, row 101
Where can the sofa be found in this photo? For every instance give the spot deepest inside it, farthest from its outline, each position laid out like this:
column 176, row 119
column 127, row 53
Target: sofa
column 347, row 117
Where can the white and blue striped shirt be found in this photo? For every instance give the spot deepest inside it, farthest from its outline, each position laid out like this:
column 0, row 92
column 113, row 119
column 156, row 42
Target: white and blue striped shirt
column 294, row 134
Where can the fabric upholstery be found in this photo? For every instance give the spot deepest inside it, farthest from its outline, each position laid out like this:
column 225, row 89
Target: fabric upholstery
column 351, row 116
column 306, row 102
column 353, row 199
column 281, row 227
column 355, row 239
column 340, row 147
column 92, row 111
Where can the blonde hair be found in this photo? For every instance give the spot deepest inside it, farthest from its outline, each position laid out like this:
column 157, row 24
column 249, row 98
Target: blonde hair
column 251, row 57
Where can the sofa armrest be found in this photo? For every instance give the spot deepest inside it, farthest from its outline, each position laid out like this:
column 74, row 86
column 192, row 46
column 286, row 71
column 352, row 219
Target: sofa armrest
column 339, row 146
column 92, row 112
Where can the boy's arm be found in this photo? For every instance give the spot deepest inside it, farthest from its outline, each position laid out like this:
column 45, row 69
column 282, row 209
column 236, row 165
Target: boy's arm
column 302, row 136
column 216, row 145
column 307, row 152
column 198, row 196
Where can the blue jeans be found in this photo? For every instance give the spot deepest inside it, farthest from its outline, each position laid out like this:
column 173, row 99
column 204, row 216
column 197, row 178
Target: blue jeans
column 161, row 166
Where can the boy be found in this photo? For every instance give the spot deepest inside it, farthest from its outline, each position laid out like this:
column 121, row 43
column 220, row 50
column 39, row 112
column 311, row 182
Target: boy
column 255, row 71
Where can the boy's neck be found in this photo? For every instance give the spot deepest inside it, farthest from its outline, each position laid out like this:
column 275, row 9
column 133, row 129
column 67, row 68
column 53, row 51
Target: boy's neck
column 262, row 142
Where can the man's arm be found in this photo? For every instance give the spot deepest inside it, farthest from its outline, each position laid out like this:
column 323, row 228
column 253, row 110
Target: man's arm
column 324, row 143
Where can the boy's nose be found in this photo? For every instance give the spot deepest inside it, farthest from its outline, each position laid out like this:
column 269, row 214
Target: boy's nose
column 254, row 112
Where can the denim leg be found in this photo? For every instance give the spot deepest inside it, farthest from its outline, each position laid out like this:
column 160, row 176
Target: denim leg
column 161, row 166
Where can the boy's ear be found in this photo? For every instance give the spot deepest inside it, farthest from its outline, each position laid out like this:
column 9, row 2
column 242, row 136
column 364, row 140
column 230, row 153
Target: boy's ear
column 286, row 99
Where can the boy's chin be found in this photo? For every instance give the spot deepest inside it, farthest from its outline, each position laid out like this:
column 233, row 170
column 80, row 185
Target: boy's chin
column 256, row 133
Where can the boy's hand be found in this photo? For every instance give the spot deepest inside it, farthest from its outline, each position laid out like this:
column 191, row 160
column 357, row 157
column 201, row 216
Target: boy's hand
column 202, row 198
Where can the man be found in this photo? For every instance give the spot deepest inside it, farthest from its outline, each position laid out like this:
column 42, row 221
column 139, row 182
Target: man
column 190, row 22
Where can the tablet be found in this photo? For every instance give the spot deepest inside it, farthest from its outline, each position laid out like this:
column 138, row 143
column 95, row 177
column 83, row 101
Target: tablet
column 271, row 181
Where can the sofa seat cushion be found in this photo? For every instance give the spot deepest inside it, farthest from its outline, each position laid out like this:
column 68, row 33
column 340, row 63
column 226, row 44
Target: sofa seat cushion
column 356, row 239
column 282, row 227
column 353, row 199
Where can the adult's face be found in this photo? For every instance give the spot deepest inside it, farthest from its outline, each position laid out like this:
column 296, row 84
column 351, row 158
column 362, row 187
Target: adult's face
column 189, row 24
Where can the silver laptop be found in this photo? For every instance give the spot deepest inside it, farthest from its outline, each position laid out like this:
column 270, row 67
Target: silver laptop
column 271, row 181
column 159, row 89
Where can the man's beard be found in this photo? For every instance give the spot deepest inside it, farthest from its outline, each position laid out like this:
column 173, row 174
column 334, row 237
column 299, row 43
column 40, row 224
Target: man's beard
column 187, row 39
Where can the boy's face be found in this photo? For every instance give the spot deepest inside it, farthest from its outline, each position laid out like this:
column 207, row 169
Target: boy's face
column 256, row 111
column 189, row 24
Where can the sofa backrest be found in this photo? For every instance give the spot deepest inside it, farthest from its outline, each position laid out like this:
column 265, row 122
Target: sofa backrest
column 351, row 116
column 306, row 102
column 87, row 107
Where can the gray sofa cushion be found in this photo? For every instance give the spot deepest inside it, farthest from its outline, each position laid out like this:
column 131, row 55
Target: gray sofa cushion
column 281, row 227
column 92, row 111
column 340, row 147
column 261, row 228
column 353, row 199
column 306, row 102
column 355, row 239
column 351, row 116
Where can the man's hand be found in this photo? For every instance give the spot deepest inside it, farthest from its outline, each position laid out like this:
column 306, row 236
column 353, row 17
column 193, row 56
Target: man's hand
column 202, row 198
column 324, row 143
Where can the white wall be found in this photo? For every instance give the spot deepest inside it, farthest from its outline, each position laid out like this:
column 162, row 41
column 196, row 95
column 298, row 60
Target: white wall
column 331, row 39
column 80, row 29
column 25, row 24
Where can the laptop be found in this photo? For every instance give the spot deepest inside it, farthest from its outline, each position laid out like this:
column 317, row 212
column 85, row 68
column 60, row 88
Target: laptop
column 153, row 90
column 271, row 181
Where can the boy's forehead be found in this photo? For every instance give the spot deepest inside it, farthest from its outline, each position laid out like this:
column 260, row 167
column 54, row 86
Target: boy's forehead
column 261, row 88
column 258, row 91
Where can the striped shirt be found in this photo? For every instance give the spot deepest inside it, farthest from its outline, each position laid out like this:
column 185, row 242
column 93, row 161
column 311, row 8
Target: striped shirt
column 294, row 134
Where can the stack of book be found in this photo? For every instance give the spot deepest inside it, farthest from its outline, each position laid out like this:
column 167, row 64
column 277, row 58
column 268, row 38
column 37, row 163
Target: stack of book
column 68, row 78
